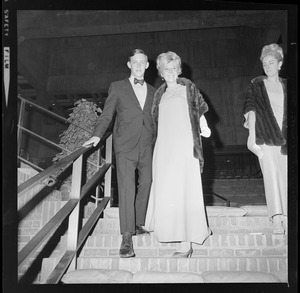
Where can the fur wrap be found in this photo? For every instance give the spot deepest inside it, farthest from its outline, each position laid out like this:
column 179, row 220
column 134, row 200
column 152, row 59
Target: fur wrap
column 266, row 127
column 197, row 107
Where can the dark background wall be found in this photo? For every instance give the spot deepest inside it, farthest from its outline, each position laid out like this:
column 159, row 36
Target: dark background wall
column 72, row 52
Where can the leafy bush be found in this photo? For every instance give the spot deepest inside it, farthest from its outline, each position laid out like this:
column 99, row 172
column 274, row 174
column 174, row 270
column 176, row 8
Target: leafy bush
column 84, row 114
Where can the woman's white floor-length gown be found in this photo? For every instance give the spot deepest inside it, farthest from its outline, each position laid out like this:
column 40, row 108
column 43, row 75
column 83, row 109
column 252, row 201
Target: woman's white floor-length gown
column 176, row 210
column 274, row 166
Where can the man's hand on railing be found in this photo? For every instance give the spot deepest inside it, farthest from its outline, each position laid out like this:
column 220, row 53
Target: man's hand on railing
column 93, row 140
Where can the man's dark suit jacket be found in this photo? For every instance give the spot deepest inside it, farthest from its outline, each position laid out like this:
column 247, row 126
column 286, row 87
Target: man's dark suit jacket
column 131, row 120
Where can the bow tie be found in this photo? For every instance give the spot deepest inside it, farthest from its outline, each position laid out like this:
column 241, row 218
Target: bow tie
column 140, row 81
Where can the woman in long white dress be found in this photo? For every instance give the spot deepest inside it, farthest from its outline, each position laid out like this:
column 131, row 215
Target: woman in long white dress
column 176, row 211
column 265, row 113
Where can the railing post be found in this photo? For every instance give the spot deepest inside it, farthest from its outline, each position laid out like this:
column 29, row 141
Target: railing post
column 20, row 122
column 97, row 195
column 74, row 216
column 108, row 159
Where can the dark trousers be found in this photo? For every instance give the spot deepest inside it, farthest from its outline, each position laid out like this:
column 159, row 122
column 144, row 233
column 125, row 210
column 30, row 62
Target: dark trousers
column 132, row 205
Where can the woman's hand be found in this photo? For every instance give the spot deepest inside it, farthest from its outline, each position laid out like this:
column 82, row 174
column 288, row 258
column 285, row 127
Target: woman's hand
column 205, row 131
column 93, row 140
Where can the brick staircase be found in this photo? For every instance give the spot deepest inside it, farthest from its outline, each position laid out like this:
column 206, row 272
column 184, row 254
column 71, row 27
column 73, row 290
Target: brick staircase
column 237, row 244
column 37, row 218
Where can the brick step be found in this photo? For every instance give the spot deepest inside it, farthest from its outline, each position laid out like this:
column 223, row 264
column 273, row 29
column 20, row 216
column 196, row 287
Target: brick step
column 25, row 173
column 53, row 195
column 219, row 245
column 236, row 199
column 270, row 264
column 274, row 265
column 219, row 225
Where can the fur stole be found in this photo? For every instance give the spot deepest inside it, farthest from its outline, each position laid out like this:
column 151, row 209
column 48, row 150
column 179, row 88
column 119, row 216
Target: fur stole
column 197, row 107
column 266, row 127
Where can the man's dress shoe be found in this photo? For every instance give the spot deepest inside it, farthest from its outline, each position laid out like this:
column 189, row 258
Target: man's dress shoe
column 140, row 230
column 126, row 249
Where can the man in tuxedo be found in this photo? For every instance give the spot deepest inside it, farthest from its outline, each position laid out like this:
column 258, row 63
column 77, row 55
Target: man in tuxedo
column 131, row 100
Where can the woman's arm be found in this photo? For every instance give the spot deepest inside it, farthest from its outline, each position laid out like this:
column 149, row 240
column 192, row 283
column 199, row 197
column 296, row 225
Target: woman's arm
column 251, row 142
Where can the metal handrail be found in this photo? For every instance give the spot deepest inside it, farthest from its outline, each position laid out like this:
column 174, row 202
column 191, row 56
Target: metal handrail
column 36, row 241
column 41, row 137
column 21, row 128
column 49, row 177
column 34, row 166
column 70, row 210
column 65, row 261
column 51, row 113
column 50, row 174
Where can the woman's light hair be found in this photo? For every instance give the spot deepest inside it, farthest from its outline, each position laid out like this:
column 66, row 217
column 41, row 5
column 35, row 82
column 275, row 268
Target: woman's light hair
column 272, row 50
column 164, row 58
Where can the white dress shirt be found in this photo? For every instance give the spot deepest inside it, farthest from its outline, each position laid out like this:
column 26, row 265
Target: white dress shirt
column 140, row 91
